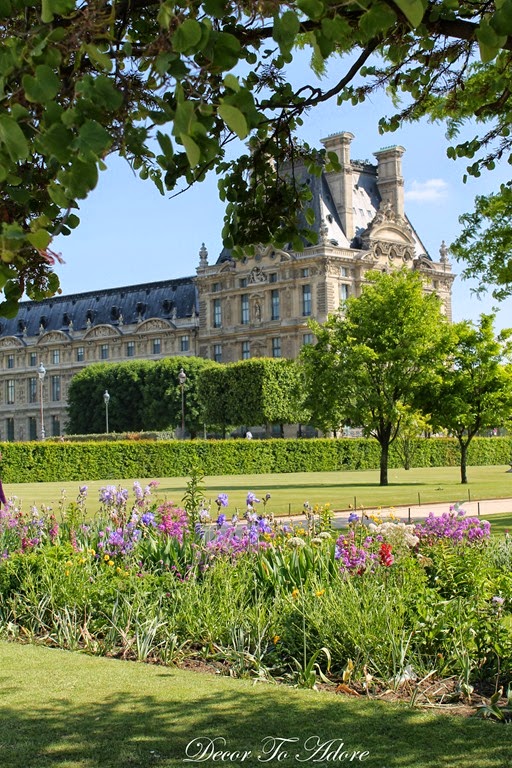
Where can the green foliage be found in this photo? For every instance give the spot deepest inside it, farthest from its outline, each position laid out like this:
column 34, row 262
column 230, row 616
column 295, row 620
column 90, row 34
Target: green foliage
column 485, row 243
column 475, row 391
column 372, row 359
column 100, row 460
column 143, row 395
column 79, row 83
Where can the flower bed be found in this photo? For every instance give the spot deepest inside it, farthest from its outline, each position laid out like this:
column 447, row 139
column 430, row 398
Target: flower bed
column 379, row 603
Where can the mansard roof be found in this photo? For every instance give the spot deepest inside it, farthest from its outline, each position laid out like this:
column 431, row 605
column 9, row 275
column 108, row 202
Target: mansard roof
column 166, row 299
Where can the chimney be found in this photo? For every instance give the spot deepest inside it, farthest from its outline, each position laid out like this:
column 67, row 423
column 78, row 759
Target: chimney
column 389, row 178
column 341, row 182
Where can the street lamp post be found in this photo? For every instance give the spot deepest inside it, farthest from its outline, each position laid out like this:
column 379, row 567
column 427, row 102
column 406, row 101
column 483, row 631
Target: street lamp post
column 106, row 398
column 41, row 372
column 182, row 377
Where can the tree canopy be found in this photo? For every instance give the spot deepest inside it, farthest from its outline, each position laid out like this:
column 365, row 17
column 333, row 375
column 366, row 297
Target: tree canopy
column 375, row 356
column 475, row 391
column 168, row 84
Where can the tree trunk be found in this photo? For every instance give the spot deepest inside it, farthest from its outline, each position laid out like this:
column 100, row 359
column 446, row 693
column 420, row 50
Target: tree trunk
column 463, row 462
column 384, row 454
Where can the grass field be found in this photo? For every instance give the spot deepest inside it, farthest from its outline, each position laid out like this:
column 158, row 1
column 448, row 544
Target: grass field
column 342, row 490
column 75, row 711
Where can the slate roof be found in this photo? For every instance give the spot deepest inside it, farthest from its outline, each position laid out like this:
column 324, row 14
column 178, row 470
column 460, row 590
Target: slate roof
column 166, row 299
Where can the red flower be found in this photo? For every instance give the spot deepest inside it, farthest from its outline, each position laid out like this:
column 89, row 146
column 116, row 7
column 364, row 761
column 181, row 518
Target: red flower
column 385, row 556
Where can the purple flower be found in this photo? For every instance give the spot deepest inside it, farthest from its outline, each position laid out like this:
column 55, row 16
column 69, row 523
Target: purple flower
column 221, row 520
column 222, row 500
column 251, row 499
column 353, row 518
column 148, row 519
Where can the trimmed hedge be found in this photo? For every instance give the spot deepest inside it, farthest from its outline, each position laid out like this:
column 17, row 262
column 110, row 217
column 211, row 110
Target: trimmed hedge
column 70, row 461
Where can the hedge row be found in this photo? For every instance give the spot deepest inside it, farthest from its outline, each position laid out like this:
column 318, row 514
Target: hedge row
column 67, row 461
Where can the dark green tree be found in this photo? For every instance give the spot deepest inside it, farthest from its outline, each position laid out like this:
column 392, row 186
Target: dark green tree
column 375, row 356
column 168, row 84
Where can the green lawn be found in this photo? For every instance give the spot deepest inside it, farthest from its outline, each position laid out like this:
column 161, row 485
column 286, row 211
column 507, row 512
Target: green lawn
column 289, row 491
column 75, row 711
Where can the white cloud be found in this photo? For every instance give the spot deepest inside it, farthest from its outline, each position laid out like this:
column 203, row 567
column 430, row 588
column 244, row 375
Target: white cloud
column 429, row 191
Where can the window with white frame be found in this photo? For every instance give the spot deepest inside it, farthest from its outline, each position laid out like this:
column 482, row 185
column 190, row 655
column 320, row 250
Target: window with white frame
column 56, row 356
column 246, row 350
column 306, row 300
column 130, row 349
column 217, row 313
column 308, row 339
column 157, row 346
column 80, row 354
column 55, row 384
column 33, row 359
column 184, row 343
column 344, row 291
column 32, row 390
column 10, row 361
column 275, row 307
column 32, row 428
column 217, row 353
column 244, row 309
column 104, row 351
column 276, row 346
column 10, row 389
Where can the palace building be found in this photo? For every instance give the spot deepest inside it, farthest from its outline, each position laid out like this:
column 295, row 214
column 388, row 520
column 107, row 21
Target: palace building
column 229, row 310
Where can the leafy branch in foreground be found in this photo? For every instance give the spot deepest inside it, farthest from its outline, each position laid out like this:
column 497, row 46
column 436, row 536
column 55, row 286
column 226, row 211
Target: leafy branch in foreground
column 169, row 85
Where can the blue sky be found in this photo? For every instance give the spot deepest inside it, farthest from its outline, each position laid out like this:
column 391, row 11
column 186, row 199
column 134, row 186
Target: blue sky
column 130, row 234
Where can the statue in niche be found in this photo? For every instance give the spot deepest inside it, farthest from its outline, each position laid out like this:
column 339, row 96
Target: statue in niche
column 257, row 275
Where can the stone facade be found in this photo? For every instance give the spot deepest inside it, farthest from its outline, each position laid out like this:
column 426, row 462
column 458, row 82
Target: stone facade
column 230, row 310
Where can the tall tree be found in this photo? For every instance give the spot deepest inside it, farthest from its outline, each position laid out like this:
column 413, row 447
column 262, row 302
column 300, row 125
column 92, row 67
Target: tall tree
column 475, row 392
column 374, row 356
column 168, row 84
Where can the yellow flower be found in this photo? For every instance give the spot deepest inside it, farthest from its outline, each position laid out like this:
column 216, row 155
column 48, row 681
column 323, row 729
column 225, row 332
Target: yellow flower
column 295, row 593
column 111, row 562
column 67, row 573
column 92, row 552
column 276, row 639
column 69, row 563
column 320, row 592
column 106, row 558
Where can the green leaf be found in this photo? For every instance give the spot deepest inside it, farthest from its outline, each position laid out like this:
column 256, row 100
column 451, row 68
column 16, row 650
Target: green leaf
column 93, row 137
column 13, row 138
column 165, row 15
column 413, row 10
column 165, row 144
column 40, row 239
column 377, row 20
column 489, row 42
column 51, row 8
column 187, row 36
column 286, row 29
column 231, row 82
column 43, row 87
column 100, row 58
column 310, row 216
column 192, row 150
column 234, row 119
column 56, row 142
column 312, row 8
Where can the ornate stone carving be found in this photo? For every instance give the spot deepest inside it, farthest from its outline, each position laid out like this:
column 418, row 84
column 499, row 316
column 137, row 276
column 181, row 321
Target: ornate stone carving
column 257, row 276
column 153, row 325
